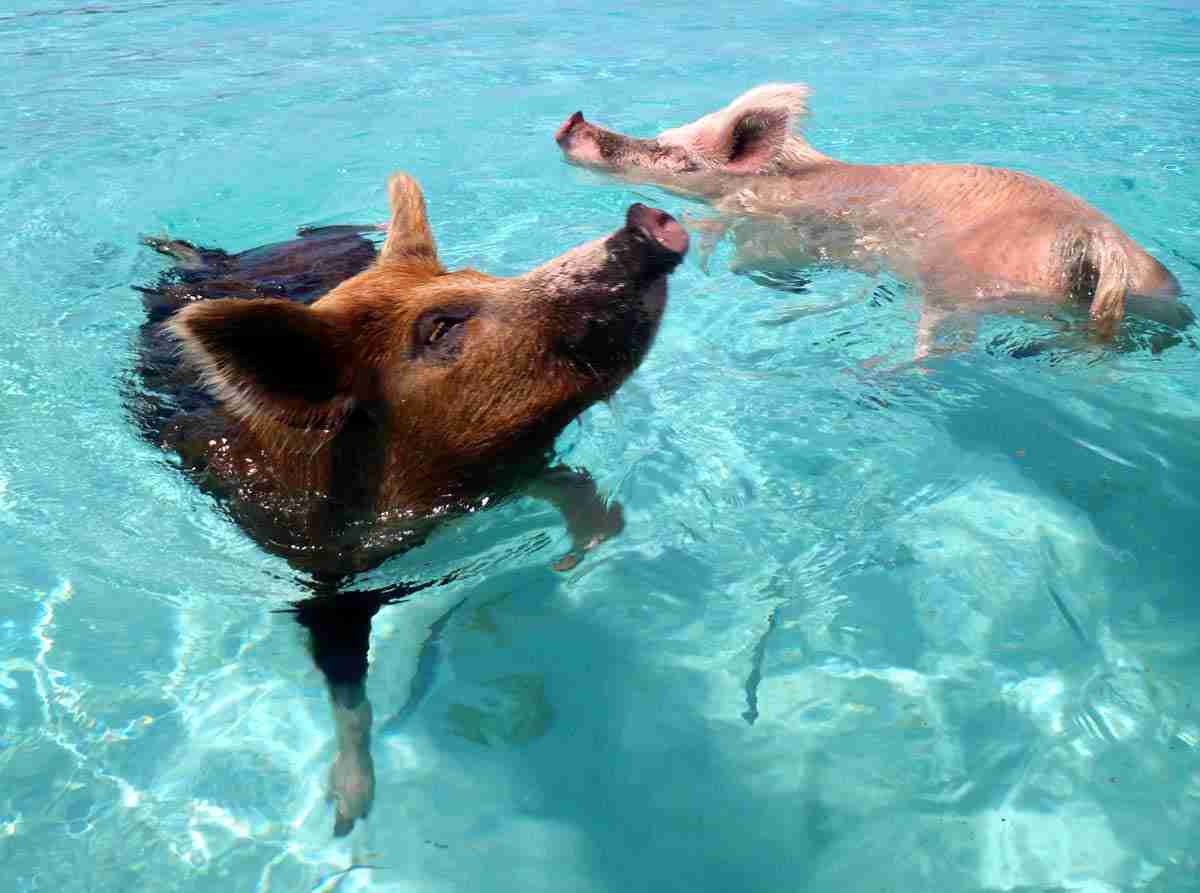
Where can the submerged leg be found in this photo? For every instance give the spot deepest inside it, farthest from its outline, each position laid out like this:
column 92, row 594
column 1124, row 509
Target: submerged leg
column 711, row 230
column 339, row 627
column 943, row 331
column 187, row 256
column 590, row 518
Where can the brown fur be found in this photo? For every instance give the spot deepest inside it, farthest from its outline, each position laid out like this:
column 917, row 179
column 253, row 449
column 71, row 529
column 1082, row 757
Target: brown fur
column 963, row 233
column 344, row 430
column 290, row 376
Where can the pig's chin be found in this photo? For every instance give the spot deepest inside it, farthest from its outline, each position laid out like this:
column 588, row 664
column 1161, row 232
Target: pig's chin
column 596, row 165
column 653, row 306
column 589, row 157
column 607, row 348
column 654, row 298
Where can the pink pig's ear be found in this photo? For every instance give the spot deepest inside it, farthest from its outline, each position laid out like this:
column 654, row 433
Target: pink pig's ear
column 746, row 135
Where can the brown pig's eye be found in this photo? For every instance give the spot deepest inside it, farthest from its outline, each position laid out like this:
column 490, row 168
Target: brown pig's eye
column 438, row 333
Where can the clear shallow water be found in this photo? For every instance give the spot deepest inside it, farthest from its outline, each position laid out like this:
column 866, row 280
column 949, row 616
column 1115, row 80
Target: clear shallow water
column 958, row 607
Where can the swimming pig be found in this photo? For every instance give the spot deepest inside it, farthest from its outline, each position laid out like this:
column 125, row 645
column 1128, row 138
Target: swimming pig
column 964, row 234
column 339, row 432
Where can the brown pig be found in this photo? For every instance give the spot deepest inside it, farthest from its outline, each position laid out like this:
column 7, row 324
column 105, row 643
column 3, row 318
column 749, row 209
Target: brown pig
column 967, row 236
column 341, row 404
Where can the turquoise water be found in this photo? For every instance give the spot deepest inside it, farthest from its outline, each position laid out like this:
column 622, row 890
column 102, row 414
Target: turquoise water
column 863, row 631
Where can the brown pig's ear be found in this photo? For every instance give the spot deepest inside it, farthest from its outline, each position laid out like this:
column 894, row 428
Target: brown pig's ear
column 409, row 238
column 267, row 360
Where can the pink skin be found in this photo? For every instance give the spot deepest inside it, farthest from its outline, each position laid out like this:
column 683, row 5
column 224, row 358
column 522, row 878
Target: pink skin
column 970, row 237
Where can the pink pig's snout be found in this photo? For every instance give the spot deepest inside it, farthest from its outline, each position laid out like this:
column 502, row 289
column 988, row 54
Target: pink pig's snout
column 580, row 142
column 565, row 131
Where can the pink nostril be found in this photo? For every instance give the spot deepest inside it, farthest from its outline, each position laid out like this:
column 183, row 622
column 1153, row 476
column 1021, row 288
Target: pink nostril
column 568, row 126
column 672, row 236
column 659, row 226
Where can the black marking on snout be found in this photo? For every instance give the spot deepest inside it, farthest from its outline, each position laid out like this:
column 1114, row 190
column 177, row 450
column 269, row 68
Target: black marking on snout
column 607, row 325
column 607, row 144
column 634, row 249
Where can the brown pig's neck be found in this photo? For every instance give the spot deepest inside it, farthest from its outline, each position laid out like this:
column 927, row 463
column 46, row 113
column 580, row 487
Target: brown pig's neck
column 369, row 465
column 338, row 502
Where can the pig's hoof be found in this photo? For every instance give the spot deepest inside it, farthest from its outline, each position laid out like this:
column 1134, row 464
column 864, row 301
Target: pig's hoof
column 571, row 560
column 611, row 523
column 603, row 524
column 872, row 362
column 352, row 788
column 566, row 563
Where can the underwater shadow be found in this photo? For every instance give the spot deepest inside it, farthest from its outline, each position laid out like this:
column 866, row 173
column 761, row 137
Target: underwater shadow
column 620, row 751
column 1133, row 471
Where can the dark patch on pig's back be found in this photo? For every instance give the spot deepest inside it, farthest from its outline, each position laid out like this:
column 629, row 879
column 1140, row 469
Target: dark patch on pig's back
column 1081, row 271
column 300, row 270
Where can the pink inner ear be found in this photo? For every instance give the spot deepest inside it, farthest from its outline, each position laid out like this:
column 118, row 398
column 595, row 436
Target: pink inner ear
column 753, row 141
column 751, row 160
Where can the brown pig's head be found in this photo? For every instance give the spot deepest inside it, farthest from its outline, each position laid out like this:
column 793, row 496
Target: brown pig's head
column 461, row 371
column 751, row 135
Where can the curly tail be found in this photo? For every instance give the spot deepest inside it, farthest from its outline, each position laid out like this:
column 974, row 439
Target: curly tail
column 1102, row 275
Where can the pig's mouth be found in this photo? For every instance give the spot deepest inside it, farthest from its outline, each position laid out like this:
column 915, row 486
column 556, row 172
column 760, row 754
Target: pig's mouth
column 586, row 145
column 564, row 132
column 583, row 144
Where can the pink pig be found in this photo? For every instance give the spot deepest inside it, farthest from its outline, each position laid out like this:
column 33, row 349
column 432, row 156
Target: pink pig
column 963, row 234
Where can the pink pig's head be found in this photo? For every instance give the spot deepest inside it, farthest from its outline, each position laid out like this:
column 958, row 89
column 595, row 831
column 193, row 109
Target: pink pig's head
column 753, row 135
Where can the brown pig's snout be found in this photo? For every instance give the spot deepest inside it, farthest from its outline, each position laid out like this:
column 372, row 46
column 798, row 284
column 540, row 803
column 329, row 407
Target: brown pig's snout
column 659, row 227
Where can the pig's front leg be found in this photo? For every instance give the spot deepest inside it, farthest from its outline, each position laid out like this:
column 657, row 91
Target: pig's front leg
column 711, row 231
column 942, row 330
column 339, row 626
column 590, row 518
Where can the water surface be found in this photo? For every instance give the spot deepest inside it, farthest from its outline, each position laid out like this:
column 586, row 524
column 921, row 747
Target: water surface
column 863, row 631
